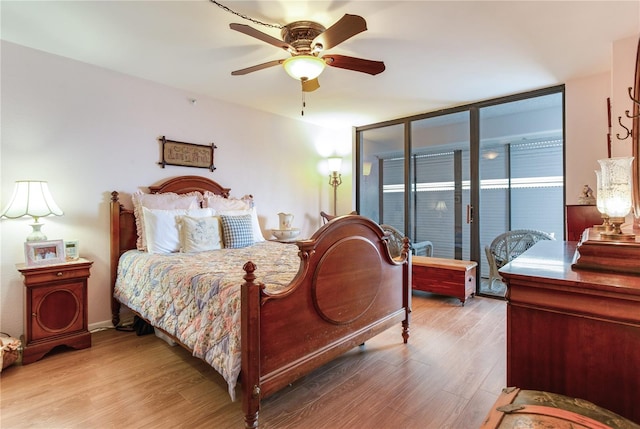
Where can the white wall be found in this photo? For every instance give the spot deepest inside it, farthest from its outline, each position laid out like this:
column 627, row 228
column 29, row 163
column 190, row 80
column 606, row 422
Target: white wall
column 623, row 66
column 586, row 131
column 586, row 117
column 89, row 131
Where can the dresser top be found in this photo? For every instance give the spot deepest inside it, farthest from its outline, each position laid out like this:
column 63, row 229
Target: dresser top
column 550, row 262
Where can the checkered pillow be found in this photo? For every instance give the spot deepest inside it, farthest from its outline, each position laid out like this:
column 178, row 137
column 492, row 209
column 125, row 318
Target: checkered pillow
column 237, row 231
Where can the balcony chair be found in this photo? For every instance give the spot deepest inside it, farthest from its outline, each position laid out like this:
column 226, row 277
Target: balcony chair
column 422, row 248
column 508, row 246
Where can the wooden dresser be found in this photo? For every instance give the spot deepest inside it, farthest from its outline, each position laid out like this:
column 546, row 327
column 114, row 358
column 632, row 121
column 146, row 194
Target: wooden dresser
column 579, row 218
column 573, row 332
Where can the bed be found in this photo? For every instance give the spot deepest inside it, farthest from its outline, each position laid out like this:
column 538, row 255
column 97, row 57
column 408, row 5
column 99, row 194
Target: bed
column 344, row 288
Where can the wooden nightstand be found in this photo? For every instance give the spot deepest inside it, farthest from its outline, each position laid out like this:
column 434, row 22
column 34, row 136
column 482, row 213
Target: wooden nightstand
column 56, row 307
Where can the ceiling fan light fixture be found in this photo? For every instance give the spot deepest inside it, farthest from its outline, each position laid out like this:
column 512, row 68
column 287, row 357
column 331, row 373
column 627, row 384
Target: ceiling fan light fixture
column 304, row 67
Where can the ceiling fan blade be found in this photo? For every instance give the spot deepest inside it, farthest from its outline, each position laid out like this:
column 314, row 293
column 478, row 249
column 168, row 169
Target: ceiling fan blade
column 356, row 64
column 347, row 27
column 310, row 85
column 250, row 31
column 257, row 67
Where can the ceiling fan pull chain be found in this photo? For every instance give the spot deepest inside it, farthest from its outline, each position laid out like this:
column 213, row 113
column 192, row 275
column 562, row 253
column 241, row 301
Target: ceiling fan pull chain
column 248, row 18
column 303, row 104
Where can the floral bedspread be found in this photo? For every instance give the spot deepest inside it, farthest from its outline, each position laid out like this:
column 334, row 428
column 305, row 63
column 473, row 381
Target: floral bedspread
column 196, row 297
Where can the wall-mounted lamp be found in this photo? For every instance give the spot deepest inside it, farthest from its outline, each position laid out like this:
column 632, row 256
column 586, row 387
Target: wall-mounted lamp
column 366, row 168
column 335, row 179
column 32, row 198
column 616, row 180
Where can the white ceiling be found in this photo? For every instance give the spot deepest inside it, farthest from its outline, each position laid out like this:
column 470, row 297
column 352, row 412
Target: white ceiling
column 437, row 53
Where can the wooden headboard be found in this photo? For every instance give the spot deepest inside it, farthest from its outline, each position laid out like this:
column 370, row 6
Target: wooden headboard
column 186, row 184
column 123, row 223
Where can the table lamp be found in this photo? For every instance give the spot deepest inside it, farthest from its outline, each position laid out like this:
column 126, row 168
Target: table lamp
column 617, row 184
column 32, row 198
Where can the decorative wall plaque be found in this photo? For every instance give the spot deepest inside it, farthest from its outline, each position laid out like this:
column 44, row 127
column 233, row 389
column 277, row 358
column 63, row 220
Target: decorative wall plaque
column 187, row 154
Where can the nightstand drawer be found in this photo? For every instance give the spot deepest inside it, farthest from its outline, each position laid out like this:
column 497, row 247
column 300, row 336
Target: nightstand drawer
column 52, row 274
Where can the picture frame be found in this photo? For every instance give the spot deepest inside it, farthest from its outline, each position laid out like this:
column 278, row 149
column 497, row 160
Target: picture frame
column 71, row 250
column 187, row 154
column 44, row 252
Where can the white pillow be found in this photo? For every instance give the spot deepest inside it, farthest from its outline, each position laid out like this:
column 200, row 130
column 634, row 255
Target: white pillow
column 255, row 224
column 219, row 203
column 199, row 234
column 161, row 228
column 166, row 201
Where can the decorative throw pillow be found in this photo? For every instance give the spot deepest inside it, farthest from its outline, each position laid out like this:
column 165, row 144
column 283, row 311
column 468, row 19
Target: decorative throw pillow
column 199, row 234
column 220, row 203
column 161, row 228
column 236, row 231
column 166, row 201
column 255, row 225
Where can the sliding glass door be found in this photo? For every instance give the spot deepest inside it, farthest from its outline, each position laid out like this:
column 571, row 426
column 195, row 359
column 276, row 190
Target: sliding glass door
column 381, row 195
column 521, row 169
column 460, row 177
column 440, row 185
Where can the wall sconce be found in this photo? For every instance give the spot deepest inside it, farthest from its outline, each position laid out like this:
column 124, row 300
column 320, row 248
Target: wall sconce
column 616, row 183
column 366, row 168
column 32, row 198
column 335, row 179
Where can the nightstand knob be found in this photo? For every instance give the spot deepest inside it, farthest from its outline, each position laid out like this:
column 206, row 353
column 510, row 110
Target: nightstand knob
column 59, row 274
column 34, row 314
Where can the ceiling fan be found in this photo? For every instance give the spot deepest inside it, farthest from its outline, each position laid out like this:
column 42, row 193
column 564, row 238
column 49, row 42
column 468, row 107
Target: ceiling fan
column 305, row 41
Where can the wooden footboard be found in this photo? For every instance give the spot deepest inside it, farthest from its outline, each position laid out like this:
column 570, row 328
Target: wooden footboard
column 348, row 290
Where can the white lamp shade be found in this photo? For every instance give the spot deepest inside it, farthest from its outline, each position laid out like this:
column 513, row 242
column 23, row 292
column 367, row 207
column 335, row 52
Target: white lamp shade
column 615, row 176
column 335, row 164
column 304, row 67
column 31, row 198
column 441, row 206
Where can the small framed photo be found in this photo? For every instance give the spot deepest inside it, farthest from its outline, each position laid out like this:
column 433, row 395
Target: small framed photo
column 71, row 251
column 44, row 252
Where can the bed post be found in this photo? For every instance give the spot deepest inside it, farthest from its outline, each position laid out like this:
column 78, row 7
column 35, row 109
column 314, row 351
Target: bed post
column 250, row 340
column 115, row 255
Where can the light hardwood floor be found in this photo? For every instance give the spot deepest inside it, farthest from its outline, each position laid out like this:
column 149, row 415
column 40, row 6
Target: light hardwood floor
column 448, row 376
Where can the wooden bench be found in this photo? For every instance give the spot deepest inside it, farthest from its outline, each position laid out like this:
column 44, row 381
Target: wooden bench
column 450, row 277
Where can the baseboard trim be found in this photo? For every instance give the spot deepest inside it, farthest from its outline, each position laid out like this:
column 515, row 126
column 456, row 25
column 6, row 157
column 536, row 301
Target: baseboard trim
column 106, row 324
